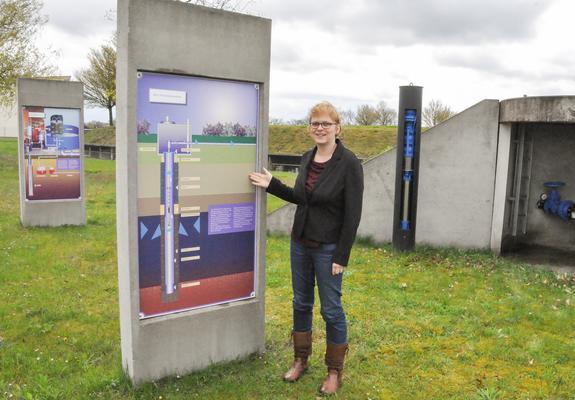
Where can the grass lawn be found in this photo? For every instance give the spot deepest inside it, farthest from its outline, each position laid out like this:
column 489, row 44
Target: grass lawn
column 433, row 324
column 286, row 177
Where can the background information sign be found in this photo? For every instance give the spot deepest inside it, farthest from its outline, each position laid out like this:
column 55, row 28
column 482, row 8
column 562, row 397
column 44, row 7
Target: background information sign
column 51, row 153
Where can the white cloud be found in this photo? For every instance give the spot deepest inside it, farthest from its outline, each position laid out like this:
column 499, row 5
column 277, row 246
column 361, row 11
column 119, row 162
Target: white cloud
column 395, row 22
column 81, row 18
column 461, row 52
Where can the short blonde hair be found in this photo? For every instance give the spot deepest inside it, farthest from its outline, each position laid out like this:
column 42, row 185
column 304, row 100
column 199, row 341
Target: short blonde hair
column 327, row 108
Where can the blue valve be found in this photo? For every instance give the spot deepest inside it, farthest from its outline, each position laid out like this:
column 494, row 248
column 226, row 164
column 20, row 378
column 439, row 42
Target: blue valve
column 404, row 225
column 552, row 204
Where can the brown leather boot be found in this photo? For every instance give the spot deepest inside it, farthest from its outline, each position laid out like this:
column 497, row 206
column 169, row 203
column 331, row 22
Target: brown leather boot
column 302, row 350
column 334, row 357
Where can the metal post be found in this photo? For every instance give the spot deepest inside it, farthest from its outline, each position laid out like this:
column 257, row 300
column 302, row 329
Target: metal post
column 407, row 167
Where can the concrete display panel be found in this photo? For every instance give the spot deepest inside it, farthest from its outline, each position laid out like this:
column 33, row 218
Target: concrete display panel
column 51, row 167
column 196, row 212
column 192, row 123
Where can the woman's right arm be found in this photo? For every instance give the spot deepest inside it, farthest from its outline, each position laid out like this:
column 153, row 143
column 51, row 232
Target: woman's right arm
column 273, row 186
column 284, row 192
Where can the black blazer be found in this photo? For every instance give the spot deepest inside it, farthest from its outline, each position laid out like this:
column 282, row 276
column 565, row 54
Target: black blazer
column 331, row 212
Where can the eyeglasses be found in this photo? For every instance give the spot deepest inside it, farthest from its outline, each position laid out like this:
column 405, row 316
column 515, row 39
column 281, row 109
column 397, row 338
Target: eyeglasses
column 324, row 124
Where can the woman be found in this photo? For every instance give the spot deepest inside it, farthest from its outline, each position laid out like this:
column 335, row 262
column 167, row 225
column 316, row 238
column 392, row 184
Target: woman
column 328, row 192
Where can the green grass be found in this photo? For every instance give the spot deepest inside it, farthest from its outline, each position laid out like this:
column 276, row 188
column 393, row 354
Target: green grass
column 433, row 324
column 286, row 177
column 103, row 136
column 364, row 141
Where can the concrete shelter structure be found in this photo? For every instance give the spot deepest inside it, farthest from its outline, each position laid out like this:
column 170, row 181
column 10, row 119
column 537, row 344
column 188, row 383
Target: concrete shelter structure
column 63, row 95
column 169, row 37
column 537, row 145
column 470, row 169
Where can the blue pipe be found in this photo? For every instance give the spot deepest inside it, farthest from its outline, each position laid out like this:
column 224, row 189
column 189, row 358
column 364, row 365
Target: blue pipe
column 410, row 120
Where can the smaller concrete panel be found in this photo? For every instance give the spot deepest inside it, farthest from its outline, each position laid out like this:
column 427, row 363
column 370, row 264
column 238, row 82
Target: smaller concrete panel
column 538, row 109
column 50, row 94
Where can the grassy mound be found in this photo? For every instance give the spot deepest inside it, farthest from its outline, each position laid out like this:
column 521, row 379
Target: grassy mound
column 364, row 141
column 103, row 136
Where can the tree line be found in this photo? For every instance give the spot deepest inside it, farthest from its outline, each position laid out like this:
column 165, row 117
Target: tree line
column 381, row 115
column 21, row 21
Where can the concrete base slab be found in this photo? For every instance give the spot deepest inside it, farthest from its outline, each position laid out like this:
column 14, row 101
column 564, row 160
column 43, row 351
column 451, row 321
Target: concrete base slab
column 556, row 260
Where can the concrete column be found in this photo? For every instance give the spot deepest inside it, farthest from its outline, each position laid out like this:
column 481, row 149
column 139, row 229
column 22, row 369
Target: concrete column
column 500, row 192
column 165, row 36
column 58, row 200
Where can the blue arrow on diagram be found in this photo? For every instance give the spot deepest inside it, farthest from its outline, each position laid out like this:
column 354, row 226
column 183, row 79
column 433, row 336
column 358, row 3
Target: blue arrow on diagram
column 197, row 225
column 183, row 230
column 143, row 230
column 157, row 233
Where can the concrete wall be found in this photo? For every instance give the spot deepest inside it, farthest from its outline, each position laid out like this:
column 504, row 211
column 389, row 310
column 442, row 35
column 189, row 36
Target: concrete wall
column 169, row 36
column 280, row 221
column 457, row 179
column 553, row 160
column 456, row 184
column 58, row 94
column 539, row 109
column 378, row 198
column 8, row 121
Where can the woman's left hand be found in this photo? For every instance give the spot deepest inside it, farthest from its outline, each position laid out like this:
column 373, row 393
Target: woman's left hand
column 336, row 269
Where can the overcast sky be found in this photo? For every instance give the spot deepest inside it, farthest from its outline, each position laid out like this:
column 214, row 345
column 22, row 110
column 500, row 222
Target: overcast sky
column 361, row 51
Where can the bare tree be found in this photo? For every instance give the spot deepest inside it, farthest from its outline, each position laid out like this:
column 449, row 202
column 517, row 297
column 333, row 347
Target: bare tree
column 230, row 5
column 436, row 112
column 366, row 115
column 385, row 114
column 99, row 78
column 347, row 117
column 298, row 121
column 20, row 21
column 277, row 121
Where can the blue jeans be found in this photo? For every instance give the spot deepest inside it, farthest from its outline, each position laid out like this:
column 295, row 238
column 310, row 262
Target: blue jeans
column 308, row 266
